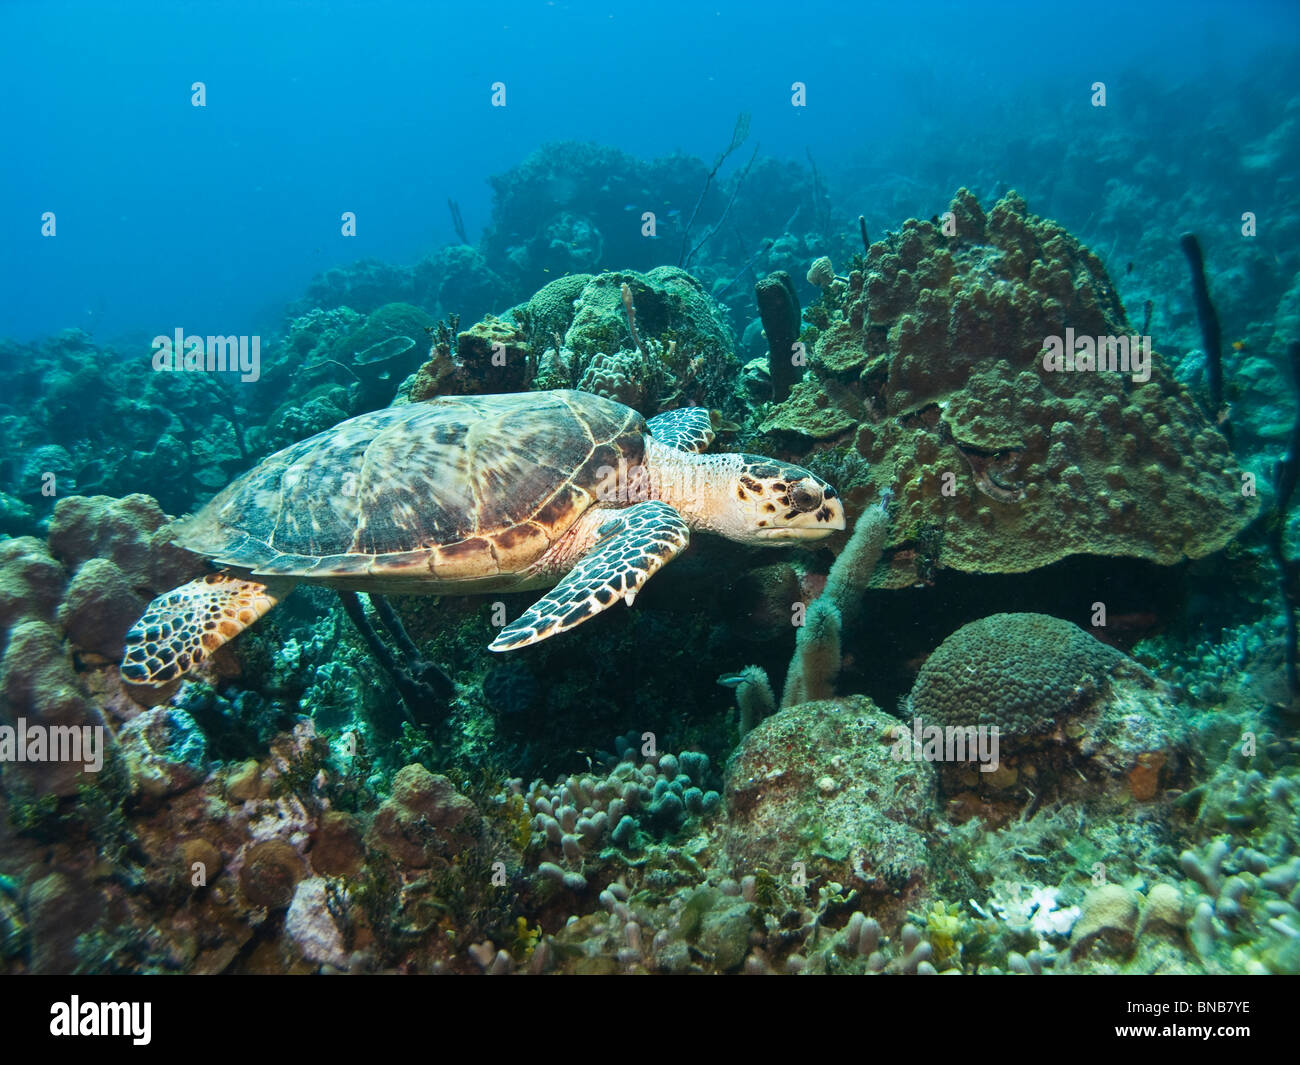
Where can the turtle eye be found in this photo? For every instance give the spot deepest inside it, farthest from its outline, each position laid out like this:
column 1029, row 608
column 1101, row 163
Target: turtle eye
column 804, row 497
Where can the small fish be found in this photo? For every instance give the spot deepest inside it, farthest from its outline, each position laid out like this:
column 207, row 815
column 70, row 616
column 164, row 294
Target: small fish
column 1128, row 269
column 1238, row 345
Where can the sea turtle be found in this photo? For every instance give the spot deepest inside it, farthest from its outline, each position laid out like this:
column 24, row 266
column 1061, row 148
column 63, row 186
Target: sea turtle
column 468, row 494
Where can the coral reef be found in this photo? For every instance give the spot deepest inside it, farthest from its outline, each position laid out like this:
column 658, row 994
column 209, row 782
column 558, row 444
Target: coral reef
column 297, row 809
column 816, row 785
column 936, row 371
column 1069, row 712
column 344, row 363
column 457, row 278
column 573, row 207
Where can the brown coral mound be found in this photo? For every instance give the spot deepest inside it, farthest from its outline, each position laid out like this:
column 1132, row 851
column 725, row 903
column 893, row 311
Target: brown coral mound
column 817, row 784
column 489, row 357
column 425, row 821
column 936, row 368
column 1076, row 718
column 132, row 532
column 1020, row 672
column 270, row 873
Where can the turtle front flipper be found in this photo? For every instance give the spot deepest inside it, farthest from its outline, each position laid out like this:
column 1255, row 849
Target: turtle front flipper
column 686, row 428
column 630, row 547
column 186, row 625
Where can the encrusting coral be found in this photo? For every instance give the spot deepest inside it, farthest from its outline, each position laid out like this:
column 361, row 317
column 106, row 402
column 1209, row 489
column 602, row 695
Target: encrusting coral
column 817, row 784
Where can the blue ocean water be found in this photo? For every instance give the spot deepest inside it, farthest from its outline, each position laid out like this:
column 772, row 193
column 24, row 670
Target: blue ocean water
column 220, row 214
column 976, row 653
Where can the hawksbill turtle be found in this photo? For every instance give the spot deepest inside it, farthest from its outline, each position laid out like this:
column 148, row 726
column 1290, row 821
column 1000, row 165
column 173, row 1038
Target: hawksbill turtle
column 468, row 494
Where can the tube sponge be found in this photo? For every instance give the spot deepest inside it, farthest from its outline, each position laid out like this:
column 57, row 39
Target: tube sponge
column 753, row 695
column 816, row 661
column 851, row 573
column 778, row 307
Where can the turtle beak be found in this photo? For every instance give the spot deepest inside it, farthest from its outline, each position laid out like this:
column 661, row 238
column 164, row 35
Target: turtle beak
column 815, row 523
column 834, row 509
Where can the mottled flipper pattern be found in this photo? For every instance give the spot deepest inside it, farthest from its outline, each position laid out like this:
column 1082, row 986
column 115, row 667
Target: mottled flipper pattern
column 686, row 429
column 182, row 628
column 630, row 548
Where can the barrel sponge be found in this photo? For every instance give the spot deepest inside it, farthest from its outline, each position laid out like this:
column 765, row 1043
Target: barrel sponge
column 1020, row 672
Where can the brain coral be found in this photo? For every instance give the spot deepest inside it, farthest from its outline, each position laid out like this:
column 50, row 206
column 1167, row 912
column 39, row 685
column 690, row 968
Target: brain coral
column 935, row 372
column 1075, row 717
column 1021, row 672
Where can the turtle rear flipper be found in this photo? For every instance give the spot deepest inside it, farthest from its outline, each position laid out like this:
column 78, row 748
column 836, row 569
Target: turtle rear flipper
column 631, row 546
column 185, row 626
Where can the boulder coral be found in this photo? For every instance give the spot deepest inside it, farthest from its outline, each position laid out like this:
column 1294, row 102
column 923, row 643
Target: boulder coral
column 654, row 340
column 1024, row 673
column 66, row 606
column 425, row 821
column 132, row 532
column 817, row 785
column 1068, row 709
column 31, row 582
column 99, row 608
column 935, row 369
column 39, row 686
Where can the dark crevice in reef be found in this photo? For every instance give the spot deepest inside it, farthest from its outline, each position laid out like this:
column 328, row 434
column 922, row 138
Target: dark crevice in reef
column 898, row 628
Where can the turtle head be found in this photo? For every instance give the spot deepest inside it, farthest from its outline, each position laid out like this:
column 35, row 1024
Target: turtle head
column 776, row 503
